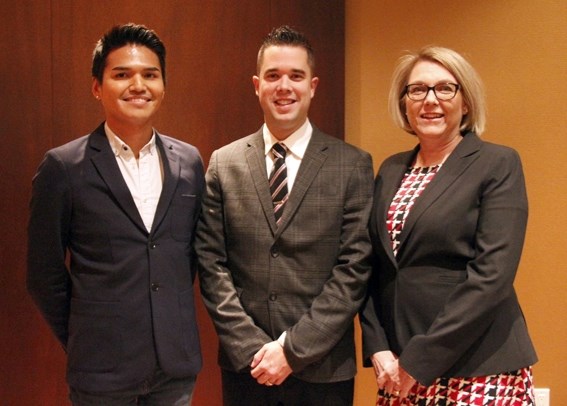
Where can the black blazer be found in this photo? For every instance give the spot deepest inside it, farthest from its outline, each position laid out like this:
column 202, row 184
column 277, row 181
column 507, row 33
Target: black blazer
column 126, row 301
column 446, row 304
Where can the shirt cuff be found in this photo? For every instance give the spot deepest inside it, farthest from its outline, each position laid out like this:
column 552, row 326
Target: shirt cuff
column 281, row 338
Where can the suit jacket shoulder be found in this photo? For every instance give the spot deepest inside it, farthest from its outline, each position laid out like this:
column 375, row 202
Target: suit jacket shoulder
column 172, row 143
column 319, row 137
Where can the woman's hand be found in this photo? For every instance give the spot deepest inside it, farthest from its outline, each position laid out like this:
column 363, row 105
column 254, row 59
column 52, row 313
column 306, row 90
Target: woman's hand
column 386, row 369
column 406, row 381
column 390, row 376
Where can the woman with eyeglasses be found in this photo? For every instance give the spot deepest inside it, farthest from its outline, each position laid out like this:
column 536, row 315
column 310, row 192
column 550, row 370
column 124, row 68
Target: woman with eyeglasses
column 442, row 324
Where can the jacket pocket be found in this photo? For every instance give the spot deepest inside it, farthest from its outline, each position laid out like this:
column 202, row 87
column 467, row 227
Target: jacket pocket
column 421, row 293
column 95, row 343
column 182, row 216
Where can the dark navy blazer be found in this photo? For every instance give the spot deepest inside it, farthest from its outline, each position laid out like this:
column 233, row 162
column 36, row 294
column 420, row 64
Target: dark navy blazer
column 125, row 303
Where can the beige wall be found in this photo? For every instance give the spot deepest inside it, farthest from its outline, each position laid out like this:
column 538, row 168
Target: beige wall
column 520, row 50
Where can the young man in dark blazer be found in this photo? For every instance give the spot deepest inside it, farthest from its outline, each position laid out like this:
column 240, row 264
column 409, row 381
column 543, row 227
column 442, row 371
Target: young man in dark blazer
column 283, row 275
column 121, row 203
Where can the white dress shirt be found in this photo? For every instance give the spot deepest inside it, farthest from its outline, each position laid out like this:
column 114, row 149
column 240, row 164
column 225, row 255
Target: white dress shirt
column 296, row 145
column 144, row 176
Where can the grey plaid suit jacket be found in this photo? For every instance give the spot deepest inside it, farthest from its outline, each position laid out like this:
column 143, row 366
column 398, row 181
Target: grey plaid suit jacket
column 307, row 277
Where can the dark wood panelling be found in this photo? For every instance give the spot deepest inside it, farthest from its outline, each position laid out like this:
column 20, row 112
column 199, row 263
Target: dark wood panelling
column 210, row 101
column 322, row 21
column 25, row 134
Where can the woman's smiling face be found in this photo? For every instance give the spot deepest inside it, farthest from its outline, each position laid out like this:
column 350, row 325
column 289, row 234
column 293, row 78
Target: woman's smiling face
column 430, row 117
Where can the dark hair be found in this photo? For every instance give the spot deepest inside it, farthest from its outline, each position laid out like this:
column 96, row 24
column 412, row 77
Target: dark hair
column 286, row 35
column 122, row 35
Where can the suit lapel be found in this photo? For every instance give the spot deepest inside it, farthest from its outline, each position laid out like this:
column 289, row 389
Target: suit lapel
column 105, row 162
column 459, row 160
column 391, row 178
column 257, row 165
column 171, row 173
column 315, row 156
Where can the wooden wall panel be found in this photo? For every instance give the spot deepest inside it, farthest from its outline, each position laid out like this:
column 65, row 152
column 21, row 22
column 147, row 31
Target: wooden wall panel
column 25, row 134
column 211, row 58
column 324, row 24
column 210, row 101
column 25, row 124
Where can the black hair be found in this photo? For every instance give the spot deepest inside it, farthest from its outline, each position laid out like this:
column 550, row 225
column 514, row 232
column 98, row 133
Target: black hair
column 122, row 35
column 286, row 35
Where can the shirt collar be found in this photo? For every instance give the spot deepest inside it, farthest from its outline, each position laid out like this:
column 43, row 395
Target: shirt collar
column 296, row 143
column 119, row 147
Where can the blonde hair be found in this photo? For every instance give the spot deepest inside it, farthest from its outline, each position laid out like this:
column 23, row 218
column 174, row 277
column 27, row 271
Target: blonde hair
column 470, row 83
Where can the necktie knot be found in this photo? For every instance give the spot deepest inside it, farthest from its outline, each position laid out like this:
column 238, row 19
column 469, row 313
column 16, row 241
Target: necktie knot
column 279, row 150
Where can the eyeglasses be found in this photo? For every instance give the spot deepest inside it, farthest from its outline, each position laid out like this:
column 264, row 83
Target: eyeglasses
column 443, row 91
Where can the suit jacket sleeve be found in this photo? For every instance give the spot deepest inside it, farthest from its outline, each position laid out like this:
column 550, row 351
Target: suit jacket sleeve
column 373, row 335
column 470, row 309
column 48, row 279
column 333, row 310
column 236, row 330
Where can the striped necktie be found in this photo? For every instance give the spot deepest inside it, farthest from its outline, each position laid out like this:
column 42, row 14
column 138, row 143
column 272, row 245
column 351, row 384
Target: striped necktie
column 278, row 180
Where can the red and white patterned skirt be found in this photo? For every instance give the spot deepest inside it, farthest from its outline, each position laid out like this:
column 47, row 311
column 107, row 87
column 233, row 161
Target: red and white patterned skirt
column 505, row 389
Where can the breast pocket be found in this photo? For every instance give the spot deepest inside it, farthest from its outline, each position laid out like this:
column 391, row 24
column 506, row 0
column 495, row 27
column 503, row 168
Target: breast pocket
column 182, row 216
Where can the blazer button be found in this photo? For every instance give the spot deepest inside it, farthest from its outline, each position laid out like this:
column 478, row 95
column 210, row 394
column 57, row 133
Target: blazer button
column 273, row 296
column 153, row 245
column 274, row 252
column 155, row 287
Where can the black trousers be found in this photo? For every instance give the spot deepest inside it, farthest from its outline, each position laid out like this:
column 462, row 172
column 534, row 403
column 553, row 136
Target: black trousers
column 241, row 389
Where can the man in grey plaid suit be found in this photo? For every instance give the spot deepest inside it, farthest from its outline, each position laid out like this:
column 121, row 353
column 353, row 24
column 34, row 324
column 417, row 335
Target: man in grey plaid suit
column 283, row 294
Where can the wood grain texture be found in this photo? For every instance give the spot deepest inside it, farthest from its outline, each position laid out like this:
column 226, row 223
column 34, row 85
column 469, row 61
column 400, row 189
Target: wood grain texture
column 210, row 101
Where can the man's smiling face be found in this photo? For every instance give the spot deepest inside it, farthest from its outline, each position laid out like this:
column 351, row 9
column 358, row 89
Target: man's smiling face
column 285, row 86
column 132, row 88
